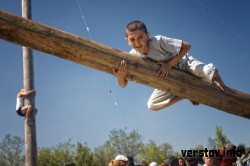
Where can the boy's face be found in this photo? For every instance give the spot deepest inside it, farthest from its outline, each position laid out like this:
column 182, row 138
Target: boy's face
column 180, row 162
column 208, row 161
column 138, row 40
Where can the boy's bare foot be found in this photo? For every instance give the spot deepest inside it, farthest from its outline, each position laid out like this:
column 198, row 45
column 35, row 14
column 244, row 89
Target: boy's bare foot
column 217, row 80
column 219, row 85
column 194, row 103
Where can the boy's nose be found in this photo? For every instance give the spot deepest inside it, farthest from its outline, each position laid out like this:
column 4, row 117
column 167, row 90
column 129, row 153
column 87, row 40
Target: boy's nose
column 137, row 43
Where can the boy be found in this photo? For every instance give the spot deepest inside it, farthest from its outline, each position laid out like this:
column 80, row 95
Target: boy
column 168, row 53
column 20, row 108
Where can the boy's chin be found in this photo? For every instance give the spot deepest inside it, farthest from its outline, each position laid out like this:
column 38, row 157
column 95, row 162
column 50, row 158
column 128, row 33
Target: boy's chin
column 139, row 49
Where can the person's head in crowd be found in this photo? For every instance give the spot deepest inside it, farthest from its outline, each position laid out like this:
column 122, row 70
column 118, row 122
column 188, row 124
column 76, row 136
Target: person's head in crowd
column 130, row 161
column 192, row 161
column 216, row 160
column 144, row 163
column 208, row 161
column 199, row 159
column 173, row 161
column 111, row 163
column 228, row 157
column 116, row 163
column 153, row 164
column 122, row 160
column 166, row 162
column 241, row 151
column 163, row 164
column 181, row 162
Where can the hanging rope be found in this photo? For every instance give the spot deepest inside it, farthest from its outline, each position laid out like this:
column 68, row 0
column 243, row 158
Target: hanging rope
column 107, row 81
column 83, row 18
column 222, row 22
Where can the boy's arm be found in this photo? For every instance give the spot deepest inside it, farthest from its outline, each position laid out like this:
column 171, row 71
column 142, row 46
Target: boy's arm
column 166, row 67
column 28, row 93
column 121, row 74
column 185, row 47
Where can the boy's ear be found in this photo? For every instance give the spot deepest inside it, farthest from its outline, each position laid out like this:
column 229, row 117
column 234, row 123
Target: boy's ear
column 127, row 41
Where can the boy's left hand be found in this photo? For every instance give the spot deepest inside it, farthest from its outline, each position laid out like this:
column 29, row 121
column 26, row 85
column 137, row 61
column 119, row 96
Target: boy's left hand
column 163, row 71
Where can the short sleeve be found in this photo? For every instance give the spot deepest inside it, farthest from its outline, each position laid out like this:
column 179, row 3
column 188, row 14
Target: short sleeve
column 169, row 44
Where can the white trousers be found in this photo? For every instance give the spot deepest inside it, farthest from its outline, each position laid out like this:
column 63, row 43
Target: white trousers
column 195, row 67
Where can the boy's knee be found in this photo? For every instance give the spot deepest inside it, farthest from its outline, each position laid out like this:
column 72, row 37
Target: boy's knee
column 152, row 107
column 29, row 107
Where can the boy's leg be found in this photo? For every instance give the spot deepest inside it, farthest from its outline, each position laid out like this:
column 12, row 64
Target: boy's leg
column 217, row 80
column 208, row 73
column 161, row 99
column 172, row 101
column 26, row 110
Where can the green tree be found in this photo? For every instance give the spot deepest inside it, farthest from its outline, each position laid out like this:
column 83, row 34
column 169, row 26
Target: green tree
column 84, row 157
column 11, row 149
column 119, row 142
column 166, row 150
column 212, row 143
column 199, row 147
column 178, row 155
column 128, row 144
column 104, row 154
column 60, row 155
column 45, row 157
column 220, row 141
column 151, row 152
column 64, row 153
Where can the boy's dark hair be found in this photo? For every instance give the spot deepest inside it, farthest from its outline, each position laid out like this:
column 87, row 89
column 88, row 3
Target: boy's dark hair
column 136, row 25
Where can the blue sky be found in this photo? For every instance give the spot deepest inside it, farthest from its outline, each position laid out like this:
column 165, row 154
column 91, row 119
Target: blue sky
column 74, row 101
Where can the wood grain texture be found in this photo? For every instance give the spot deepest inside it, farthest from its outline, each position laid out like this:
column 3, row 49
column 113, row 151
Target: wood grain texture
column 98, row 56
column 28, row 81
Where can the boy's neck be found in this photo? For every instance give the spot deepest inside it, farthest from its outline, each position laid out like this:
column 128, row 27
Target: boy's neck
column 146, row 51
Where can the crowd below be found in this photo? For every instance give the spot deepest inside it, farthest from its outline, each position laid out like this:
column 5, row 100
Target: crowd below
column 226, row 158
column 241, row 159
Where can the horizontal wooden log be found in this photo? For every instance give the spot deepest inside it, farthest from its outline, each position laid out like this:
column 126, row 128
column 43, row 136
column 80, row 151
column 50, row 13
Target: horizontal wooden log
column 46, row 39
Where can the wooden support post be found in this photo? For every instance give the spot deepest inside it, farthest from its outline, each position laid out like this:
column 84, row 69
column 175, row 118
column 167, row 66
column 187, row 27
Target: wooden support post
column 89, row 53
column 28, row 74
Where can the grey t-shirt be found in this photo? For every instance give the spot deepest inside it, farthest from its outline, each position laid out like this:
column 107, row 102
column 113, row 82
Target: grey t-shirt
column 162, row 48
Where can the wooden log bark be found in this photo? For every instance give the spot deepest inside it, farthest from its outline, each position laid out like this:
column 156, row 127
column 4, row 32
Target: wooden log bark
column 98, row 56
column 28, row 81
